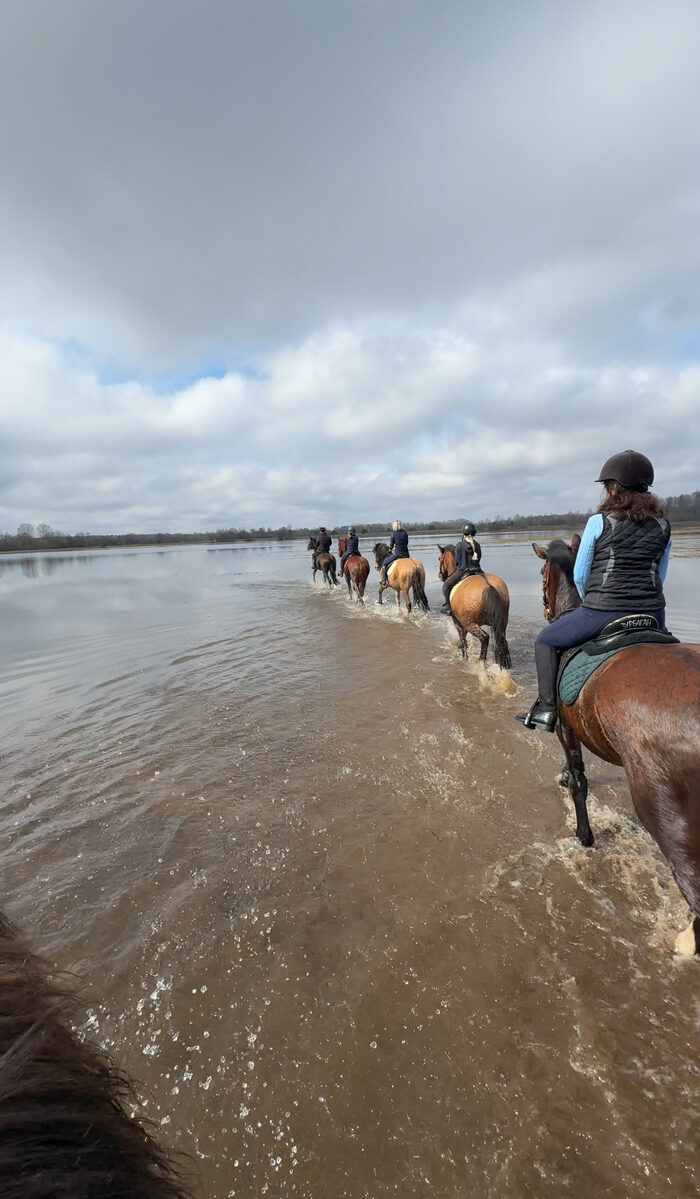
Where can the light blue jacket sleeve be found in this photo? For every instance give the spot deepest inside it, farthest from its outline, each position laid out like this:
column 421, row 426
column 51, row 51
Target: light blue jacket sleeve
column 663, row 564
column 584, row 557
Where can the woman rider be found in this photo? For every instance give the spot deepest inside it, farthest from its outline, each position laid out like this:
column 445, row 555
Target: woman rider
column 467, row 556
column 399, row 547
column 352, row 546
column 620, row 567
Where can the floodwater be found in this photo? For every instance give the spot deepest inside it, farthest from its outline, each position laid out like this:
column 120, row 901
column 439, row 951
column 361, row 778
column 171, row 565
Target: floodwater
column 322, row 887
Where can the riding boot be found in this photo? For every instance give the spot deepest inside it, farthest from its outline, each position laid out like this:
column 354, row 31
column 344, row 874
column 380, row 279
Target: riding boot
column 446, row 609
column 543, row 713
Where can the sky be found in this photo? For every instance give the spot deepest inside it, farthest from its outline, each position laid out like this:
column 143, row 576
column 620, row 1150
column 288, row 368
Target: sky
column 302, row 262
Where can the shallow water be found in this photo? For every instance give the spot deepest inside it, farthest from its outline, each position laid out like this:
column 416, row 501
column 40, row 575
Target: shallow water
column 324, row 888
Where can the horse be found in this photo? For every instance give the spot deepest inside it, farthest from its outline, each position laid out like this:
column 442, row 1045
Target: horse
column 639, row 710
column 324, row 562
column 66, row 1112
column 355, row 572
column 404, row 574
column 477, row 600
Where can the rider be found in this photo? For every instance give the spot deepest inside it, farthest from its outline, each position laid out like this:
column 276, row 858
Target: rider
column 399, row 545
column 323, row 543
column 467, row 556
column 620, row 567
column 352, row 546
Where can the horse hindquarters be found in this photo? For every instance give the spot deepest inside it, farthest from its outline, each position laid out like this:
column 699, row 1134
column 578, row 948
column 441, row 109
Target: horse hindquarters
column 641, row 710
column 496, row 615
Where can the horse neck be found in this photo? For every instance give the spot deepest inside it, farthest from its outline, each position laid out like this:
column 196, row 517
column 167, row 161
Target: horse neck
column 567, row 597
column 448, row 563
column 341, row 545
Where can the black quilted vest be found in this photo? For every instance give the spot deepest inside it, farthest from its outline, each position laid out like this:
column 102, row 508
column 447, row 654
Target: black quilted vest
column 625, row 569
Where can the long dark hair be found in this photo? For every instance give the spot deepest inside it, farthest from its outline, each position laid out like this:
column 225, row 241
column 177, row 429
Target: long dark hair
column 65, row 1110
column 637, row 506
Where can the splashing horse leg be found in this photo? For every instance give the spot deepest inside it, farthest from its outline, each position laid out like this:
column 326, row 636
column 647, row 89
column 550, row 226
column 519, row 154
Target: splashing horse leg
column 574, row 777
column 477, row 631
column 462, row 638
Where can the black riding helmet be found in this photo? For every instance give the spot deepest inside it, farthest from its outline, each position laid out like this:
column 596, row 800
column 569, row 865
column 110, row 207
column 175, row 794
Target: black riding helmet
column 630, row 469
column 469, row 530
column 351, row 530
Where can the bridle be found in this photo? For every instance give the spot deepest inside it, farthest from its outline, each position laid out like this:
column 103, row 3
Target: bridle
column 549, row 614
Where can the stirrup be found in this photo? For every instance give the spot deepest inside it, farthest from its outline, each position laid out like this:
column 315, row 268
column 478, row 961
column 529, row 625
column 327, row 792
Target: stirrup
column 544, row 719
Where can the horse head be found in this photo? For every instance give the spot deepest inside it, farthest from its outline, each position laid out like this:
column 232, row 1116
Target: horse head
column 312, row 543
column 447, row 561
column 559, row 594
column 381, row 550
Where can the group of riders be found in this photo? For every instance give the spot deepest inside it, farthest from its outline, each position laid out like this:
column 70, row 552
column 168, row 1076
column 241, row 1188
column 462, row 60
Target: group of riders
column 620, row 568
column 467, row 555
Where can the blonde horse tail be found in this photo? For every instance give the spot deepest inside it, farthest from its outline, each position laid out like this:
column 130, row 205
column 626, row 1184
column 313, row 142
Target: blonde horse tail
column 495, row 613
column 419, row 595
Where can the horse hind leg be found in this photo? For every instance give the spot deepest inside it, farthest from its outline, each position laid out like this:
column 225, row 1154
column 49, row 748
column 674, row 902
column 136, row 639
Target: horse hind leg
column 574, row 777
column 477, row 631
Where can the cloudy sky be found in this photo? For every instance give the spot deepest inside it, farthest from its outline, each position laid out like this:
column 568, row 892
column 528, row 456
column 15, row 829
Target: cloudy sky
column 293, row 261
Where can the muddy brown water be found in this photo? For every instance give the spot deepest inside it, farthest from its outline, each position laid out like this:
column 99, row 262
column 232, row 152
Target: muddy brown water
column 323, row 889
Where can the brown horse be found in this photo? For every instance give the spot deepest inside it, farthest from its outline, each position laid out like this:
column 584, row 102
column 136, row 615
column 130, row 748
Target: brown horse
column 355, row 572
column 66, row 1123
column 324, row 562
column 477, row 600
column 405, row 575
column 639, row 710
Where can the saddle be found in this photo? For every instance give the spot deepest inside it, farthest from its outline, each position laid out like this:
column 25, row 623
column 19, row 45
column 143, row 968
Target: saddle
column 577, row 664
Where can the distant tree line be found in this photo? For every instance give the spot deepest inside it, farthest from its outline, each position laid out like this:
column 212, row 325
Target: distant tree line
column 678, row 509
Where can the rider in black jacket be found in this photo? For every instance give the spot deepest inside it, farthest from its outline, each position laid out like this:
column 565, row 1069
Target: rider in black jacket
column 467, row 556
column 352, row 546
column 323, row 543
column 399, row 549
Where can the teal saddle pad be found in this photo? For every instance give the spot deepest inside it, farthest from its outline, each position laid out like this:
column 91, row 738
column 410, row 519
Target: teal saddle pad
column 582, row 661
column 578, row 671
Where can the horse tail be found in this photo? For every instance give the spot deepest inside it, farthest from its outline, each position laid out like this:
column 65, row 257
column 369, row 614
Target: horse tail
column 419, row 595
column 495, row 616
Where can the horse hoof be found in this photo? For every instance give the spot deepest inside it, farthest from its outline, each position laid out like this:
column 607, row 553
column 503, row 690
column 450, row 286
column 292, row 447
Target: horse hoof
column 685, row 942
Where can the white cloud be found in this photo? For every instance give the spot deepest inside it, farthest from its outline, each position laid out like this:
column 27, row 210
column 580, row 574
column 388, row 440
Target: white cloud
column 445, row 256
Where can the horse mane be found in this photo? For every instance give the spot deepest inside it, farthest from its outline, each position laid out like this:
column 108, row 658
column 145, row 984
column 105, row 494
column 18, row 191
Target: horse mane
column 381, row 550
column 66, row 1124
column 559, row 553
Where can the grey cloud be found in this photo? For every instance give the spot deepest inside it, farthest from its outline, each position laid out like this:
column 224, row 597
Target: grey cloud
column 186, row 177
column 457, row 242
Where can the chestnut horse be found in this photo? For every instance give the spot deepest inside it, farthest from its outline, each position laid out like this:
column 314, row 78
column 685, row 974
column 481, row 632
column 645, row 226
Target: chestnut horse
column 405, row 574
column 355, row 571
column 639, row 710
column 324, row 562
column 66, row 1113
column 477, row 600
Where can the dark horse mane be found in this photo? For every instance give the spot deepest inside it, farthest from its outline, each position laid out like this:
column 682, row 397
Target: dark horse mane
column 66, row 1127
column 561, row 554
column 381, row 551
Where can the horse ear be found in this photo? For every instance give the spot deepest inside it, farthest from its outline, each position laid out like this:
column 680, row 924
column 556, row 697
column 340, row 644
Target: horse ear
column 539, row 550
column 575, row 543
column 441, row 548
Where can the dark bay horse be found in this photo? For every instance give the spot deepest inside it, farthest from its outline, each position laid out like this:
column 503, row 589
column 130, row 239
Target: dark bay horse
column 405, row 575
column 355, row 572
column 640, row 710
column 480, row 599
column 66, row 1127
column 324, row 562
